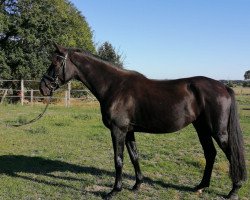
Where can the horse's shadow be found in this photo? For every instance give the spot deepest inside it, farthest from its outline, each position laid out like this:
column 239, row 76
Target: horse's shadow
column 16, row 165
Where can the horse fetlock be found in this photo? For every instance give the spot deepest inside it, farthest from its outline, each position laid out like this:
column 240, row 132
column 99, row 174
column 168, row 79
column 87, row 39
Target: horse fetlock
column 118, row 186
column 139, row 178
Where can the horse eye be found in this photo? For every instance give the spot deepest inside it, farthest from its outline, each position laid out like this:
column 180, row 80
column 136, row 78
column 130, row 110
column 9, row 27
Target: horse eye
column 54, row 61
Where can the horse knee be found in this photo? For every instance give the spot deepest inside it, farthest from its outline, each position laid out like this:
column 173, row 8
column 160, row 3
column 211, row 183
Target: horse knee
column 135, row 157
column 118, row 162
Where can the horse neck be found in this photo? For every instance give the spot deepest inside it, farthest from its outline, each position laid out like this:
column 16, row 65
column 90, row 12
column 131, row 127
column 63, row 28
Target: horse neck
column 98, row 76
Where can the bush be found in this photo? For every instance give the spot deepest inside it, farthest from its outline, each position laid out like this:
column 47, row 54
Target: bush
column 230, row 84
column 246, row 84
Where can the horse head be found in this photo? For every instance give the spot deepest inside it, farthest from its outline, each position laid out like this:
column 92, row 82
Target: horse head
column 60, row 71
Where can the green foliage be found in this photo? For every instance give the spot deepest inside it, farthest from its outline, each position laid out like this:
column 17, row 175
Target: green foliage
column 28, row 30
column 247, row 75
column 107, row 52
column 246, row 84
column 5, row 70
column 230, row 84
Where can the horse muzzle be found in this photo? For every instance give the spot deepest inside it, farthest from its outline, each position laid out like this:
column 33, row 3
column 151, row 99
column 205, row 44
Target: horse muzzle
column 45, row 91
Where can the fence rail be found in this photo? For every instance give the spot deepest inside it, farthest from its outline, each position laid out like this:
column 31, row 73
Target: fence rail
column 31, row 94
column 26, row 91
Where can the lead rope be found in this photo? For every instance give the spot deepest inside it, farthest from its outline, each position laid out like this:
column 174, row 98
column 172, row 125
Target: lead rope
column 36, row 118
column 52, row 90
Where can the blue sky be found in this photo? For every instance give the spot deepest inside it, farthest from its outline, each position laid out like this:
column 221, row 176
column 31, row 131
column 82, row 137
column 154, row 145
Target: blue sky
column 168, row 39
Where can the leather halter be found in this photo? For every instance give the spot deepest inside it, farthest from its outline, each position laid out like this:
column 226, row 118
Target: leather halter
column 54, row 80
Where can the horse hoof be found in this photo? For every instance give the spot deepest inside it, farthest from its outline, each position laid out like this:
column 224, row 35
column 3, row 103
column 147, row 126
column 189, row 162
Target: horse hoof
column 108, row 196
column 199, row 191
column 136, row 187
column 112, row 193
column 233, row 197
column 199, row 188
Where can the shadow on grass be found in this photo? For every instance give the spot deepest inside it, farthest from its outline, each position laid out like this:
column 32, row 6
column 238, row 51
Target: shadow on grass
column 13, row 165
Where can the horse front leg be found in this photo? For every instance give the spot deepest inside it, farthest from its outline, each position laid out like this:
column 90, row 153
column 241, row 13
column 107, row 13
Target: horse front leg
column 134, row 157
column 118, row 140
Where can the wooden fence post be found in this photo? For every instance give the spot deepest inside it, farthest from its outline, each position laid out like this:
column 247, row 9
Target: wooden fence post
column 20, row 95
column 22, row 92
column 31, row 96
column 4, row 95
column 68, row 96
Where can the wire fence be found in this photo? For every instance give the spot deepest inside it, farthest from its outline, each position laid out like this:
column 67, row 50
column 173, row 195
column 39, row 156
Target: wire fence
column 27, row 92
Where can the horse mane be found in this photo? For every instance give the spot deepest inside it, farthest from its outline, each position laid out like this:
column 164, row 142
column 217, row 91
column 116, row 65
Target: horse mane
column 92, row 56
column 99, row 59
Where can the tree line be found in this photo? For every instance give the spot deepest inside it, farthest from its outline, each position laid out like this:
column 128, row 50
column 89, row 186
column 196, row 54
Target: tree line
column 28, row 29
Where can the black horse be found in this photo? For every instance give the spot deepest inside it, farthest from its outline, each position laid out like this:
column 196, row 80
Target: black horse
column 130, row 103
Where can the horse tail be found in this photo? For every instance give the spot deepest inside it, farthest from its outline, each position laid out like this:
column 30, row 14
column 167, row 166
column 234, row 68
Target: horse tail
column 238, row 170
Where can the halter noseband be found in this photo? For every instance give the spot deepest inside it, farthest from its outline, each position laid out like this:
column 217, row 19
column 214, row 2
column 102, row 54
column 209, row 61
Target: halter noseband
column 54, row 80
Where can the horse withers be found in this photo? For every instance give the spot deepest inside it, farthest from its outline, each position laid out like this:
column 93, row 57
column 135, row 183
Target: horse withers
column 131, row 103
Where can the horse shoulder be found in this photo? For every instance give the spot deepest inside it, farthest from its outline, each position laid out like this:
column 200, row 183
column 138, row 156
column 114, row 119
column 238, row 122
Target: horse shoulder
column 118, row 108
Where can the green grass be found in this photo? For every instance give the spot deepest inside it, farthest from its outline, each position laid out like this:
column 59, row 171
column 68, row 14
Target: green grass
column 68, row 155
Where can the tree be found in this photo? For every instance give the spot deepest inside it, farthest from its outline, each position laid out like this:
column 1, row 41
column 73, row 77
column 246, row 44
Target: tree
column 247, row 75
column 107, row 52
column 28, row 30
column 247, row 79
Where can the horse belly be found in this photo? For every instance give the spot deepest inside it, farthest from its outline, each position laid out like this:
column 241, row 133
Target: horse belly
column 164, row 120
column 162, row 127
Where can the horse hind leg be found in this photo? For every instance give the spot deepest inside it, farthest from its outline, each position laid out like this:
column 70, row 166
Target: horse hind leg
column 230, row 140
column 222, row 139
column 206, row 141
column 134, row 157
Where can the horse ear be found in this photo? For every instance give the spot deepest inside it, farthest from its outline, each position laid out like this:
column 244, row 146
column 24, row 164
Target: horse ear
column 56, row 46
column 59, row 48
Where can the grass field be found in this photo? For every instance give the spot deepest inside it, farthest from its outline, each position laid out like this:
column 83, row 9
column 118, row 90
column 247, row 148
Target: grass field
column 68, row 155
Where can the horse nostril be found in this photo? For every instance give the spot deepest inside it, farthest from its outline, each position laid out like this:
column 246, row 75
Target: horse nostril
column 41, row 91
